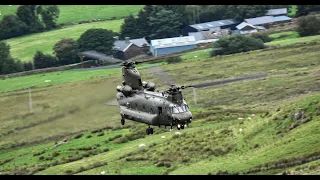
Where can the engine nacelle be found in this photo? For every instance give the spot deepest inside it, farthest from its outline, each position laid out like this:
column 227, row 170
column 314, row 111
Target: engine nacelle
column 150, row 86
column 126, row 90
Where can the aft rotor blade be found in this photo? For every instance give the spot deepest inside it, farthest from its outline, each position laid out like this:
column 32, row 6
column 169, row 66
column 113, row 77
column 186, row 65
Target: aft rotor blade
column 225, row 81
column 112, row 103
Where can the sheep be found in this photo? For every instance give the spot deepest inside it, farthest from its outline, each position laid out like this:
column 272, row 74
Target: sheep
column 142, row 145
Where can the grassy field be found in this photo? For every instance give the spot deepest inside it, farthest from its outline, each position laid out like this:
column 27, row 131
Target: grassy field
column 25, row 47
column 293, row 40
column 284, row 35
column 271, row 142
column 38, row 80
column 59, row 77
column 76, row 13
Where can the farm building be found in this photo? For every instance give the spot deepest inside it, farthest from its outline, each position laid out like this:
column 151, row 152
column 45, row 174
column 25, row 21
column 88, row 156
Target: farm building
column 277, row 12
column 208, row 26
column 172, row 45
column 130, row 48
column 209, row 36
column 245, row 28
column 268, row 21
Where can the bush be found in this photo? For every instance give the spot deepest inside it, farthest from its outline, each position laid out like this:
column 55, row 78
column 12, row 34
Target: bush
column 39, row 153
column 41, row 60
column 89, row 136
column 308, row 25
column 236, row 44
column 263, row 36
column 68, row 171
column 7, row 63
column 27, row 66
column 105, row 150
column 55, row 154
column 11, row 26
column 115, row 137
column 101, row 134
column 66, row 51
column 77, row 136
column 100, row 40
column 172, row 60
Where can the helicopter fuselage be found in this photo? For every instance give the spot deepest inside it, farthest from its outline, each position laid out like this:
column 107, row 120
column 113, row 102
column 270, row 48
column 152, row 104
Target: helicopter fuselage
column 153, row 108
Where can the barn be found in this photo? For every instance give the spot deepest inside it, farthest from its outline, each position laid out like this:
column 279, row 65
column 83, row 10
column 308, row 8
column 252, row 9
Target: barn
column 172, row 45
column 267, row 21
column 130, row 48
column 245, row 28
column 209, row 26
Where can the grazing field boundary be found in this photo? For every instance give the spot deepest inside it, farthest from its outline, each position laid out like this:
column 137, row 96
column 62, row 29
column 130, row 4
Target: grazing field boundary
column 37, row 71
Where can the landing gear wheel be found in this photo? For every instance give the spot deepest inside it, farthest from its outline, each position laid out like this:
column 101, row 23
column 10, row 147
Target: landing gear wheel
column 178, row 126
column 182, row 126
column 122, row 121
column 149, row 131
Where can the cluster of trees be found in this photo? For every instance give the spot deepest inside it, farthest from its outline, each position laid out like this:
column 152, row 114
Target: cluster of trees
column 308, row 25
column 164, row 21
column 303, row 10
column 7, row 63
column 155, row 21
column 65, row 51
column 29, row 19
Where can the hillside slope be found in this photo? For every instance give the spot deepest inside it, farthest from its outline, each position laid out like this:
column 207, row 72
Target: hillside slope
column 77, row 13
column 25, row 47
column 263, row 126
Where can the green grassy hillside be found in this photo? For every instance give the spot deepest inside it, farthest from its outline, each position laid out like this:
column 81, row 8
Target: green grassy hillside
column 76, row 13
column 25, row 47
column 272, row 140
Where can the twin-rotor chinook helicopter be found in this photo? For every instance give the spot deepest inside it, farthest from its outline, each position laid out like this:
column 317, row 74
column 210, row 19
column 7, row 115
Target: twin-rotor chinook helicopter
column 140, row 101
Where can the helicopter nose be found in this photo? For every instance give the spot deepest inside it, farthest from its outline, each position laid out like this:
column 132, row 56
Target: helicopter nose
column 183, row 118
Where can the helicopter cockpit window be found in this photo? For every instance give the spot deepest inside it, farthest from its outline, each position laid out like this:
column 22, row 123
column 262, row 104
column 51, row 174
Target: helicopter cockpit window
column 175, row 110
column 187, row 108
column 178, row 109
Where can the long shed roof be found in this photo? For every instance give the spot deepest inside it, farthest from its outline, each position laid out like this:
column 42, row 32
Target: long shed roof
column 214, row 24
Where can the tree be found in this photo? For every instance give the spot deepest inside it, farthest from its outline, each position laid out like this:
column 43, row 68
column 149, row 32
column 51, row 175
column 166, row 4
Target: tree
column 28, row 66
column 306, row 9
column 29, row 14
column 7, row 63
column 142, row 22
column 100, row 40
column 41, row 60
column 180, row 12
column 50, row 15
column 235, row 44
column 308, row 25
column 11, row 26
column 193, row 14
column 129, row 28
column 66, row 50
column 164, row 24
column 212, row 13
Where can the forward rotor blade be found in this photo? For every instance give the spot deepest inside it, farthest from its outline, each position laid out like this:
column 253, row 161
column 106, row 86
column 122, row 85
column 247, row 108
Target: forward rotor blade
column 225, row 81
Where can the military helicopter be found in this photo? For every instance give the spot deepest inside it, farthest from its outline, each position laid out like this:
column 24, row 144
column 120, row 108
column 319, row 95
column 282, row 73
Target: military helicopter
column 140, row 101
